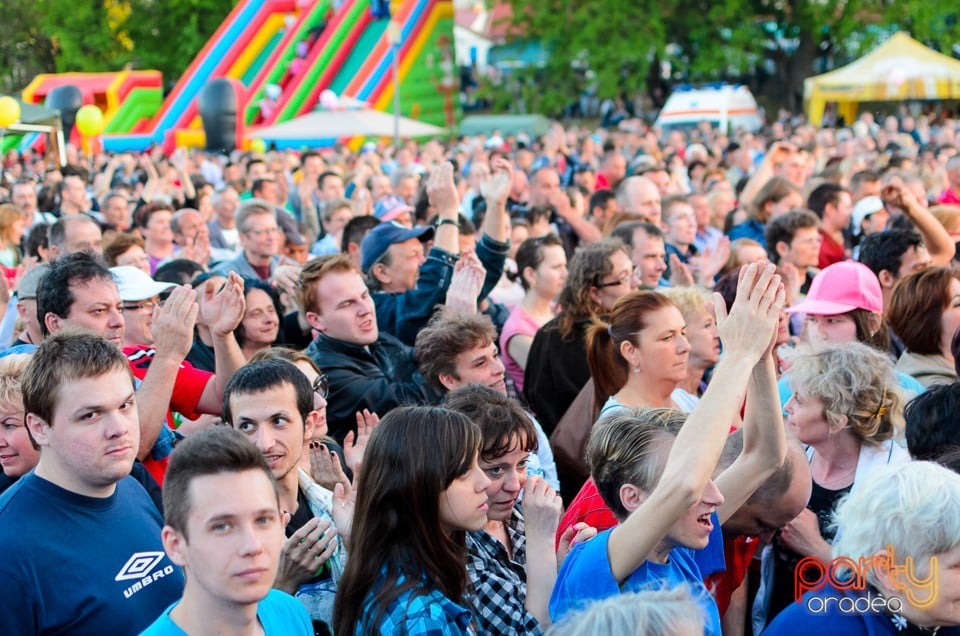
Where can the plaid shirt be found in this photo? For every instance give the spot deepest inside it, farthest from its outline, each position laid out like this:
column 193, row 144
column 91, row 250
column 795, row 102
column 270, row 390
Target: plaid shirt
column 499, row 584
column 423, row 611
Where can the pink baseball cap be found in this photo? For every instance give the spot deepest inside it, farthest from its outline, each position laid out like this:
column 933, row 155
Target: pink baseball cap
column 840, row 288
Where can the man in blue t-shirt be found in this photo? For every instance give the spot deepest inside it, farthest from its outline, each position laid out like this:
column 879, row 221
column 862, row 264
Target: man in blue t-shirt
column 228, row 546
column 80, row 549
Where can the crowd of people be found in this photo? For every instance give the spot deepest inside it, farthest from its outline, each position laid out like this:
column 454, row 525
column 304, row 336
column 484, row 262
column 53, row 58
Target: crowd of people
column 621, row 381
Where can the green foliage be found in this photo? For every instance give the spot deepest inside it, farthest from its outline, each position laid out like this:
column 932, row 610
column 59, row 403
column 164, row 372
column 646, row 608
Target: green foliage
column 169, row 33
column 45, row 36
column 25, row 48
column 599, row 43
column 704, row 40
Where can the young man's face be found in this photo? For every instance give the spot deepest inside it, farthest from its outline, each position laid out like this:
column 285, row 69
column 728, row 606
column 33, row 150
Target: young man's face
column 96, row 307
column 82, row 236
column 346, row 311
column 270, row 419
column 649, row 257
column 478, row 365
column 681, row 226
column 231, row 548
column 93, row 437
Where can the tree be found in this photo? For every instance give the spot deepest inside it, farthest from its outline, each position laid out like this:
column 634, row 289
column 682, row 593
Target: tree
column 606, row 46
column 170, row 33
column 46, row 36
column 705, row 40
column 25, row 49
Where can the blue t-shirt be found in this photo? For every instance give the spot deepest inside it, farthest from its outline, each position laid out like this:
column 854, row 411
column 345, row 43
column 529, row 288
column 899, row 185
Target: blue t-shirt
column 278, row 613
column 71, row 564
column 586, row 576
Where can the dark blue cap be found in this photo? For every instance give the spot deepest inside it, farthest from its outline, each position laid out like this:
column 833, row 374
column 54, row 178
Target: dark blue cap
column 381, row 237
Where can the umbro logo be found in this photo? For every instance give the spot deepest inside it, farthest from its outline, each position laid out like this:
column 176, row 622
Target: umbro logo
column 139, row 565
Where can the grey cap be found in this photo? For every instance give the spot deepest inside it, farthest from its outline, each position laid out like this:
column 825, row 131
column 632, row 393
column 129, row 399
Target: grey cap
column 27, row 288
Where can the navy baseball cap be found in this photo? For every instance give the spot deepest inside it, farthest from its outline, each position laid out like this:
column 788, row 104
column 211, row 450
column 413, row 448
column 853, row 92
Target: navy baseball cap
column 381, row 237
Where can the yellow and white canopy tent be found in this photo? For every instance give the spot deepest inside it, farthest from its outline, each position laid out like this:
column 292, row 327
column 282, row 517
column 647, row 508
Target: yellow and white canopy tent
column 899, row 69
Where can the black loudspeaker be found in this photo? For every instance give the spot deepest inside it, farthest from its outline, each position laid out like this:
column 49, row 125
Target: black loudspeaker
column 219, row 106
column 67, row 99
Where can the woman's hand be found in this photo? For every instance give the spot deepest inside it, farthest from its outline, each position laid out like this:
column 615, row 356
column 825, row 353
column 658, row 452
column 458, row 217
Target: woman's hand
column 325, row 467
column 573, row 535
column 354, row 446
column 802, row 535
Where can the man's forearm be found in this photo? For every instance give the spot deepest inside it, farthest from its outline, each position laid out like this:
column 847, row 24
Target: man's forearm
column 153, row 400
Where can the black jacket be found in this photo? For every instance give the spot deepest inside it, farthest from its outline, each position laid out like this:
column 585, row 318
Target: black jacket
column 556, row 371
column 378, row 377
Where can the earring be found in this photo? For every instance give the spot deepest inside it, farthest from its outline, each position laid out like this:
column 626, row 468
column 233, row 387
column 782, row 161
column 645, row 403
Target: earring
column 636, row 369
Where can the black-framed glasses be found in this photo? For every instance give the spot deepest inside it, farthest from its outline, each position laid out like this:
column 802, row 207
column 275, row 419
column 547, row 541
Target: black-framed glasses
column 321, row 385
column 613, row 283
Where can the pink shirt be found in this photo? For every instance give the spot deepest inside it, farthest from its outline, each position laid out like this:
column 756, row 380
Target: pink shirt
column 519, row 323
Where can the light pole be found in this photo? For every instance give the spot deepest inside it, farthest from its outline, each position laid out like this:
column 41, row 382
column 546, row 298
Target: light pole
column 393, row 37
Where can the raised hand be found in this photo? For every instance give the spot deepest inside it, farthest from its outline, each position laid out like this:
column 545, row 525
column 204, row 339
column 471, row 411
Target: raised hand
column 354, row 446
column 495, row 188
column 344, row 503
column 680, row 274
column 711, row 261
column 755, row 314
column 173, row 323
column 442, row 191
column 223, row 309
column 465, row 284
column 325, row 467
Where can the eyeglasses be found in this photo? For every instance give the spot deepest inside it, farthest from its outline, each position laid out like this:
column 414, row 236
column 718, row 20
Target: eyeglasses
column 147, row 304
column 263, row 232
column 625, row 279
column 321, row 385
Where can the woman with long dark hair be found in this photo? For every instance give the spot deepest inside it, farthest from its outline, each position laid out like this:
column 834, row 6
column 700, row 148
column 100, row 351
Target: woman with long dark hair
column 420, row 489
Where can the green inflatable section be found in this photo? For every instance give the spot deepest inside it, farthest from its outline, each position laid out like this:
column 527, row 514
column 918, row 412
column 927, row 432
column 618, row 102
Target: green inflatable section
column 419, row 97
column 141, row 103
column 361, row 51
column 279, row 70
column 261, row 59
column 309, row 81
column 9, row 142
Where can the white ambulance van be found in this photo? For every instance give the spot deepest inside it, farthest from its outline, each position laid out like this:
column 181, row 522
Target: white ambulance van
column 725, row 106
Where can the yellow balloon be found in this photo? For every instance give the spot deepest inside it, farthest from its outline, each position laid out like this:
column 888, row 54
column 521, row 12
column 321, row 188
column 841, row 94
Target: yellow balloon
column 9, row 111
column 258, row 146
column 89, row 120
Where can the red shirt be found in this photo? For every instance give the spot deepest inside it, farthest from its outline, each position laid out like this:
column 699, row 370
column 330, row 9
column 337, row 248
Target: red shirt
column 601, row 183
column 588, row 506
column 830, row 251
column 738, row 553
column 187, row 390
